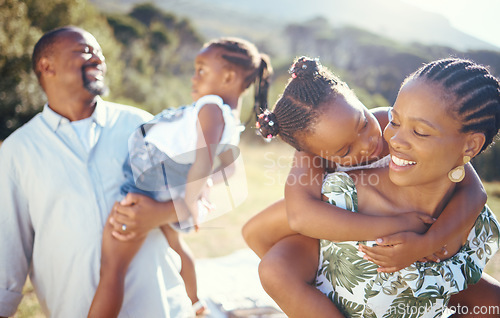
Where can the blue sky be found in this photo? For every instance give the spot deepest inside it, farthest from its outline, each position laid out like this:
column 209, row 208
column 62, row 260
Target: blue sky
column 479, row 18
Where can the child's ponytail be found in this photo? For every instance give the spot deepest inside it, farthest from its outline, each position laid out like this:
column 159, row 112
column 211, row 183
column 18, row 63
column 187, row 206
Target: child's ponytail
column 255, row 66
column 262, row 82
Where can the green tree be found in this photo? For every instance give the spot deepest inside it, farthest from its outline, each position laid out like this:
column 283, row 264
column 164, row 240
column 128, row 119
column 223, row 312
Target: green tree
column 159, row 50
column 19, row 92
column 487, row 164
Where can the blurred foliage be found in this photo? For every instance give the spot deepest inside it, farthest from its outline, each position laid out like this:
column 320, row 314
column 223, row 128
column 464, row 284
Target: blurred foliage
column 22, row 23
column 19, row 93
column 150, row 56
column 487, row 164
column 158, row 49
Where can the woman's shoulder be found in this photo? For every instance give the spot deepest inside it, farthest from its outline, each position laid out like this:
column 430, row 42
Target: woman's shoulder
column 359, row 178
column 373, row 186
column 380, row 111
column 369, row 178
column 382, row 115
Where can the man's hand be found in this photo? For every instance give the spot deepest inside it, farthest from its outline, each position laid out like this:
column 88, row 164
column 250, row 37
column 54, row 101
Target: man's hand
column 137, row 214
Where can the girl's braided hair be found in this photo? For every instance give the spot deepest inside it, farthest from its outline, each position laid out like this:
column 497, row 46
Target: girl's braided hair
column 297, row 110
column 474, row 92
column 256, row 66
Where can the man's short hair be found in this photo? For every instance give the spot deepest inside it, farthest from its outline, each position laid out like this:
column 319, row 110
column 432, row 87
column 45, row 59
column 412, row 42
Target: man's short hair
column 44, row 46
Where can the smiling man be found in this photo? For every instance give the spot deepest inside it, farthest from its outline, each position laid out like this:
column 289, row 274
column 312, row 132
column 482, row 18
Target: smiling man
column 59, row 177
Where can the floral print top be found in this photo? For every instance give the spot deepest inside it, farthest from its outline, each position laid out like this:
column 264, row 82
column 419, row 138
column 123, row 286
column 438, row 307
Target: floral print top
column 420, row 290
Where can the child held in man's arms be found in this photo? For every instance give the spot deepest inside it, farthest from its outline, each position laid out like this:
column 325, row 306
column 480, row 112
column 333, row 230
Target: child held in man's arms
column 172, row 158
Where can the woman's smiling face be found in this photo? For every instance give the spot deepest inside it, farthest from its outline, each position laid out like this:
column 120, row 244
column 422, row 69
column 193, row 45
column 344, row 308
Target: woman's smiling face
column 424, row 138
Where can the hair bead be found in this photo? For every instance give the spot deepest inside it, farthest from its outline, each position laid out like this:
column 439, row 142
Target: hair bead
column 267, row 125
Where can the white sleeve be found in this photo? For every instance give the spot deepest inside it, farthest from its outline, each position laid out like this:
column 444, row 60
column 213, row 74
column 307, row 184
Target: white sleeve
column 16, row 234
column 208, row 99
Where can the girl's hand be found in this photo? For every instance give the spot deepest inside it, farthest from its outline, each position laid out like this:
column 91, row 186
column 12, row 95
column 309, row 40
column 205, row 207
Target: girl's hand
column 415, row 222
column 437, row 256
column 397, row 251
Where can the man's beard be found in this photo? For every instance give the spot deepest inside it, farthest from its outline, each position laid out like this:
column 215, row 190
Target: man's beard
column 94, row 87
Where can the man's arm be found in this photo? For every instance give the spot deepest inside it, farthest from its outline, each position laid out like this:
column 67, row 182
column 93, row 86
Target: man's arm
column 16, row 234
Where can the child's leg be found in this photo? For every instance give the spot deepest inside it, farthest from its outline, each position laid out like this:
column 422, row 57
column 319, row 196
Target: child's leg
column 479, row 300
column 115, row 258
column 266, row 228
column 188, row 272
column 286, row 273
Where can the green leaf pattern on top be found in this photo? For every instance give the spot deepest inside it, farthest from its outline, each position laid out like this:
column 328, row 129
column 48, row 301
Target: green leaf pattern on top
column 420, row 290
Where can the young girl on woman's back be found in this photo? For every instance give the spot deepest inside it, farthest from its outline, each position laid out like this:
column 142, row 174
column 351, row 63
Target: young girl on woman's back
column 172, row 157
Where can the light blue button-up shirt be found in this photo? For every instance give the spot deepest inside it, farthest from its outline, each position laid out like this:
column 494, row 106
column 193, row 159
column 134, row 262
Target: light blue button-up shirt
column 55, row 197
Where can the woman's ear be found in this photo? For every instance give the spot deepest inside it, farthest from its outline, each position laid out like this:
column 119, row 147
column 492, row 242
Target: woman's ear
column 473, row 144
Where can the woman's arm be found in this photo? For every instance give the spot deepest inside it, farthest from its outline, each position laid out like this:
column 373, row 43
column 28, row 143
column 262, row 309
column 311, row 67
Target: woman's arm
column 402, row 249
column 310, row 216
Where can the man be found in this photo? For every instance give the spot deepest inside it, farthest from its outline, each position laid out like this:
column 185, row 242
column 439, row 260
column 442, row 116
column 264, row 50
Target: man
column 59, row 177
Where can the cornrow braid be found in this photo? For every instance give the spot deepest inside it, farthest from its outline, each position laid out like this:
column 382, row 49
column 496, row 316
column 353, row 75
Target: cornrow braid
column 298, row 109
column 476, row 93
column 256, row 67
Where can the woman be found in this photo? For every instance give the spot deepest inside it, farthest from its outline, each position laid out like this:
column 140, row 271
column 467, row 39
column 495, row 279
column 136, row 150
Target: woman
column 446, row 113
column 429, row 136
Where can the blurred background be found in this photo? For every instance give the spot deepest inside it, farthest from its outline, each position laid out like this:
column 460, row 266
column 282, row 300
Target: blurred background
column 150, row 47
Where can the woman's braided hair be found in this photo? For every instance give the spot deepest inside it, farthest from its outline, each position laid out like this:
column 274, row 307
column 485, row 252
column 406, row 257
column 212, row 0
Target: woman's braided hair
column 475, row 93
column 256, row 66
column 297, row 110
